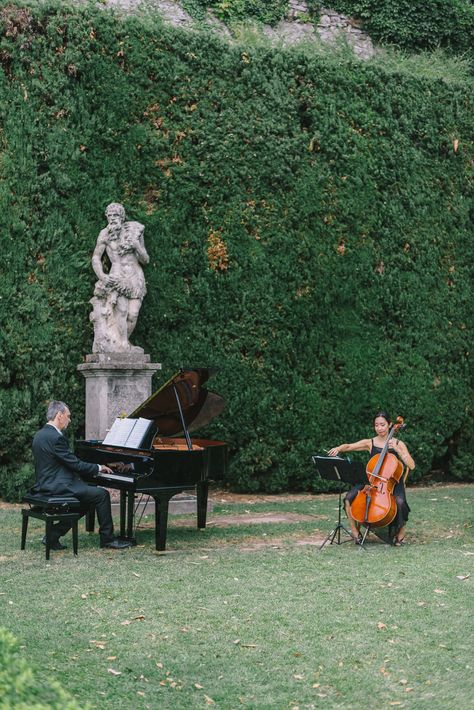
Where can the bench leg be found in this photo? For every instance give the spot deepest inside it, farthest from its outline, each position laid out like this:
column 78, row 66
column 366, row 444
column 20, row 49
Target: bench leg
column 74, row 537
column 24, row 528
column 49, row 530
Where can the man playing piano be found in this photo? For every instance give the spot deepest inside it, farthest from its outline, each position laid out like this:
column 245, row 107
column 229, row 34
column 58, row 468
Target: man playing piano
column 58, row 472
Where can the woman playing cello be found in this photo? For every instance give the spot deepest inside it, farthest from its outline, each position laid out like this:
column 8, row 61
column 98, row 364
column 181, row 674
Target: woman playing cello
column 382, row 423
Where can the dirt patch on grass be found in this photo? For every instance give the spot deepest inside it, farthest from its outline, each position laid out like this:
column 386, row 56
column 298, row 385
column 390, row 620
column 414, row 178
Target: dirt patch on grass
column 255, row 518
column 222, row 496
column 260, row 541
column 315, row 540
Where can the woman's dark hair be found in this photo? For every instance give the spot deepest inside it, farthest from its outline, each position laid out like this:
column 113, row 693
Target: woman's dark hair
column 385, row 415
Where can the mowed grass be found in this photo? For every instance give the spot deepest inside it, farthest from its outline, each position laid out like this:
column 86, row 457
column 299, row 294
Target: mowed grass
column 253, row 616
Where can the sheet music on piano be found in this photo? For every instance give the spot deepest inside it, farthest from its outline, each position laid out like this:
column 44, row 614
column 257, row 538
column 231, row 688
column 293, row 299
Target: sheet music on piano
column 129, row 433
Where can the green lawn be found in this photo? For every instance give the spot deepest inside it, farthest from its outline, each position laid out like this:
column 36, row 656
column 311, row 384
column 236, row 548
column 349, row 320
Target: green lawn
column 246, row 616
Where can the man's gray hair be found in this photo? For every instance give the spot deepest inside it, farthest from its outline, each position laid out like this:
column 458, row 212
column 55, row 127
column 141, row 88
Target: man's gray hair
column 54, row 408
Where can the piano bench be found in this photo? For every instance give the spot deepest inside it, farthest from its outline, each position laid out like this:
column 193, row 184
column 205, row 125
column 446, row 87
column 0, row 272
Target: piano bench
column 51, row 509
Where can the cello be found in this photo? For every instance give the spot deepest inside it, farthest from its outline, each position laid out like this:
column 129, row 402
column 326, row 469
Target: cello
column 375, row 506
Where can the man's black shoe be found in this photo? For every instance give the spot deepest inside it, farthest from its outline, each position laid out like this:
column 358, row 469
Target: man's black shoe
column 116, row 544
column 54, row 545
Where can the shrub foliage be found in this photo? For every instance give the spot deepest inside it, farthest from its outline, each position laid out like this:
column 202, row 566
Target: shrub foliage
column 21, row 688
column 308, row 221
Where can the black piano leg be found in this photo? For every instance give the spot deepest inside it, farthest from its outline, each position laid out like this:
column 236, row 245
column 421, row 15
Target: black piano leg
column 123, row 512
column 202, row 490
column 161, row 520
column 130, row 513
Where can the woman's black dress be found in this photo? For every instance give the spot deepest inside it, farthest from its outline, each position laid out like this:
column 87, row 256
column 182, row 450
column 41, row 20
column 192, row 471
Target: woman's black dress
column 403, row 508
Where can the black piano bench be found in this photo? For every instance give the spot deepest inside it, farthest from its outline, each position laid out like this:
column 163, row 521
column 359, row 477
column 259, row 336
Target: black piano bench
column 51, row 509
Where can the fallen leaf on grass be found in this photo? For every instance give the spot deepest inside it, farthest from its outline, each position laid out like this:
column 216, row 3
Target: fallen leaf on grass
column 248, row 645
column 298, row 676
column 209, row 701
column 198, row 686
column 113, row 672
column 135, row 618
column 462, row 577
column 440, row 591
column 111, row 658
column 381, row 625
column 135, row 574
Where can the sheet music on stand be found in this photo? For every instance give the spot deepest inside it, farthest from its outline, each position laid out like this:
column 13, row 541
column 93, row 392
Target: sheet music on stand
column 336, row 468
column 130, row 433
column 329, row 463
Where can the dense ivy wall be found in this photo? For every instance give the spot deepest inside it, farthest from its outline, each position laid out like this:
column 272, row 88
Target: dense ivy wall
column 230, row 11
column 414, row 25
column 308, row 221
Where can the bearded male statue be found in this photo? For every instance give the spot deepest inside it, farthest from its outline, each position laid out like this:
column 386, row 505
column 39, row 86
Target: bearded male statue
column 118, row 293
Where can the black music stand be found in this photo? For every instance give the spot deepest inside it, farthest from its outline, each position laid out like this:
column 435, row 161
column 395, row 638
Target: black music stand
column 334, row 468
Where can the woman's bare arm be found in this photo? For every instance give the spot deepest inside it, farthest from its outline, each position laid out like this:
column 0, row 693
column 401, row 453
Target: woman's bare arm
column 362, row 445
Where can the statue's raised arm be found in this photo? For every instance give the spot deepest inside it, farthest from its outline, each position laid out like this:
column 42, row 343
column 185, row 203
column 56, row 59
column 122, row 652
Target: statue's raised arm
column 119, row 292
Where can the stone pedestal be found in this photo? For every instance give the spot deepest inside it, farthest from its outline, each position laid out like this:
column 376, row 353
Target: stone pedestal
column 116, row 383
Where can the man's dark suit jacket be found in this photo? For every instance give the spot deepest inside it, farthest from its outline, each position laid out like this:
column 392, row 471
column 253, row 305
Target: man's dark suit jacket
column 57, row 468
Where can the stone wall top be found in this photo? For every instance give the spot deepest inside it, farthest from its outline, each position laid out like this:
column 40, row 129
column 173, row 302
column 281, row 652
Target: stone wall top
column 332, row 26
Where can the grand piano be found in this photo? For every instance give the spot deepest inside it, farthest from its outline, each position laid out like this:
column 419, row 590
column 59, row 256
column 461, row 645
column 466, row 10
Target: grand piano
column 169, row 461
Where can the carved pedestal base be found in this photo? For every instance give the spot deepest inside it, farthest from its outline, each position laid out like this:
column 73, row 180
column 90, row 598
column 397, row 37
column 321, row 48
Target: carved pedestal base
column 115, row 384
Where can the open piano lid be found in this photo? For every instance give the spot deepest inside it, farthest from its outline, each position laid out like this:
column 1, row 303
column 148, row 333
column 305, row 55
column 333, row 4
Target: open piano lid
column 198, row 405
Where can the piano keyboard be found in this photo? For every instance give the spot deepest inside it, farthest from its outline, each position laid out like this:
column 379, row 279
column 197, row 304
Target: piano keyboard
column 114, row 477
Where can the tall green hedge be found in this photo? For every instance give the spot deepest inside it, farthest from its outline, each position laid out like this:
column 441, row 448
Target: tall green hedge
column 309, row 223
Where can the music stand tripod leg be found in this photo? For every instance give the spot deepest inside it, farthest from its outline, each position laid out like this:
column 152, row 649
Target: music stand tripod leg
column 340, row 525
column 337, row 530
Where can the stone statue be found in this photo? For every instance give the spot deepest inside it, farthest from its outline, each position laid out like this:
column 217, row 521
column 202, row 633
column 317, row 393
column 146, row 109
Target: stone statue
column 118, row 294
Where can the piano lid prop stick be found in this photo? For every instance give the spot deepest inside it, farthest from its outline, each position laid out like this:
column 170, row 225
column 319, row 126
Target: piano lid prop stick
column 185, row 429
